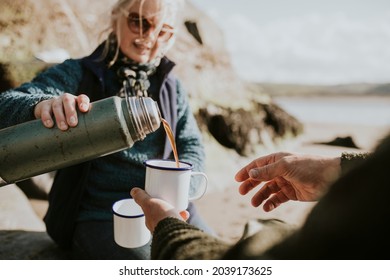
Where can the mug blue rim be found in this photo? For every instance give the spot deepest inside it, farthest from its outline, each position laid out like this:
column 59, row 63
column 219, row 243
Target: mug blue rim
column 189, row 167
column 125, row 216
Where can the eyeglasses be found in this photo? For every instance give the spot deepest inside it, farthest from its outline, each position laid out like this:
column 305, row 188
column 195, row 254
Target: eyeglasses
column 141, row 25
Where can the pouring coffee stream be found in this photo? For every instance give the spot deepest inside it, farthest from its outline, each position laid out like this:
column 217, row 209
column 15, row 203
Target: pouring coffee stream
column 171, row 138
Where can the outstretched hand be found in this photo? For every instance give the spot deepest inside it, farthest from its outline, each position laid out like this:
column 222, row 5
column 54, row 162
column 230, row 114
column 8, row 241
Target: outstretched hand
column 155, row 209
column 287, row 177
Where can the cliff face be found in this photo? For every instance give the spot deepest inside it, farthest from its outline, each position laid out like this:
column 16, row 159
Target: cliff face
column 238, row 115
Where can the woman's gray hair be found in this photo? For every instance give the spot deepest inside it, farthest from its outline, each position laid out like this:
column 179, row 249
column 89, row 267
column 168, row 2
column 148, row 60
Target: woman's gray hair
column 170, row 14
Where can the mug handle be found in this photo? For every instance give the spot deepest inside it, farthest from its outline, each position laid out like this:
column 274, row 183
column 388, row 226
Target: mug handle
column 199, row 194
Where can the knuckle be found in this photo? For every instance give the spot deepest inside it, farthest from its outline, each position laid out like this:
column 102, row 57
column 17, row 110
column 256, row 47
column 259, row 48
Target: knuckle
column 285, row 163
column 56, row 105
column 67, row 97
column 84, row 97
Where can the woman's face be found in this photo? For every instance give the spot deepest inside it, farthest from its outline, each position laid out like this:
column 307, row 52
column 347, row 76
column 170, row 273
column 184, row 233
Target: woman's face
column 143, row 32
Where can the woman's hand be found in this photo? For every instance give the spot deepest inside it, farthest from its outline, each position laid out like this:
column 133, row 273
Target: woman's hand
column 63, row 108
column 155, row 209
column 288, row 177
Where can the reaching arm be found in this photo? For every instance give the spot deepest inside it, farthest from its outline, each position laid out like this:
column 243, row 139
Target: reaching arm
column 288, row 176
column 18, row 105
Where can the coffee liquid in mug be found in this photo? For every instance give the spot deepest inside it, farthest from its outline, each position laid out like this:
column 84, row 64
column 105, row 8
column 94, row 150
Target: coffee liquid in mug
column 171, row 138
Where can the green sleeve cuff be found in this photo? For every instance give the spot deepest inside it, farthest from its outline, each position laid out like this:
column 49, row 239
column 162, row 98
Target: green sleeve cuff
column 351, row 160
column 176, row 240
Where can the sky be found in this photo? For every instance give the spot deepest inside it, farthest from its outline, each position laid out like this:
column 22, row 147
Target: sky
column 306, row 41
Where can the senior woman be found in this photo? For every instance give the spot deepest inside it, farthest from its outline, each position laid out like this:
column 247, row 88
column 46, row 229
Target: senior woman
column 79, row 217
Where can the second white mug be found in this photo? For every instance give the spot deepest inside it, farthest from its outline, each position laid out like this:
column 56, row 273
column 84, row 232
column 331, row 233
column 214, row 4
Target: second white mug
column 130, row 230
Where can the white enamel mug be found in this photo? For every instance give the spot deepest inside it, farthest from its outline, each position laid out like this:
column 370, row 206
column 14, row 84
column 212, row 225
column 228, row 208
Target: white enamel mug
column 168, row 182
column 130, row 230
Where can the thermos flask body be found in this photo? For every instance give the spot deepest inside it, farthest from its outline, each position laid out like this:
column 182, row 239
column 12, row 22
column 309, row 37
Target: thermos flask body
column 111, row 125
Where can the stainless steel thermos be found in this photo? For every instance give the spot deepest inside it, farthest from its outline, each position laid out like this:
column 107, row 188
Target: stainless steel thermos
column 112, row 124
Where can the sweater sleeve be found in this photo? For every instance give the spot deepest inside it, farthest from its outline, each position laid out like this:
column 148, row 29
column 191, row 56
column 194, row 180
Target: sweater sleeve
column 175, row 239
column 351, row 160
column 17, row 105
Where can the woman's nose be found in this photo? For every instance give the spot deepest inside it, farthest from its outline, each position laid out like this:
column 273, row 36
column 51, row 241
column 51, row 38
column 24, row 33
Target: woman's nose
column 150, row 33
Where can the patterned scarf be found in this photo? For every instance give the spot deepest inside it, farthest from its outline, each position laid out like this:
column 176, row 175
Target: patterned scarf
column 134, row 76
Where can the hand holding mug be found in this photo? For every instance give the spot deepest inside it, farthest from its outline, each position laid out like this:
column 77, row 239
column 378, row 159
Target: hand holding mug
column 155, row 209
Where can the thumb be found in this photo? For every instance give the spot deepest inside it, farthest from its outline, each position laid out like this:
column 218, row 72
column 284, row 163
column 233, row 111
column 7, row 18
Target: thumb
column 139, row 196
column 266, row 173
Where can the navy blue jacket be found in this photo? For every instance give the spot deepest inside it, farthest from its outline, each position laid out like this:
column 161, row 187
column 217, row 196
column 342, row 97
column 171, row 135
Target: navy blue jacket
column 68, row 186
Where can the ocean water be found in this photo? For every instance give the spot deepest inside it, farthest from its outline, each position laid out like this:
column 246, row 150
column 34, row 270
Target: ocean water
column 362, row 110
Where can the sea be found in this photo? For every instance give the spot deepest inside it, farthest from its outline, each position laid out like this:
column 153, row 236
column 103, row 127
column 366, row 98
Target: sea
column 354, row 110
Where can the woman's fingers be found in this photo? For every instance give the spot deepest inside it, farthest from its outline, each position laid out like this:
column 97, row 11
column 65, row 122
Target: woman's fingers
column 83, row 102
column 59, row 114
column 62, row 109
column 44, row 112
column 69, row 108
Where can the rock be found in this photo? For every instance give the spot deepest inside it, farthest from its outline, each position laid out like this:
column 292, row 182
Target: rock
column 5, row 79
column 37, row 187
column 22, row 233
column 52, row 56
column 244, row 129
column 29, row 245
column 341, row 142
column 16, row 212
